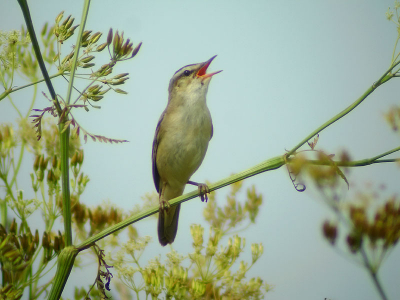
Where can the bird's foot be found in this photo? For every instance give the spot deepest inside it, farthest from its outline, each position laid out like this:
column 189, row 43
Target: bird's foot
column 203, row 190
column 164, row 205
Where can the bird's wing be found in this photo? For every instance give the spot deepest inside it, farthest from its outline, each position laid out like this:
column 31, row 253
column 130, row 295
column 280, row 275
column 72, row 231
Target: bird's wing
column 156, row 141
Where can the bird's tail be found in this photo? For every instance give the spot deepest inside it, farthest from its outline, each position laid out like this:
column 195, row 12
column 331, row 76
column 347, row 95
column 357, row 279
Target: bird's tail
column 168, row 224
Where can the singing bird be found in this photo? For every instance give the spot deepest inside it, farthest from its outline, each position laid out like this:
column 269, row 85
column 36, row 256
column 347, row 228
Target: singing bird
column 180, row 142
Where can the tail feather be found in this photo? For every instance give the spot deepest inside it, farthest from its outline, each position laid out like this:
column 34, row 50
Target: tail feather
column 168, row 225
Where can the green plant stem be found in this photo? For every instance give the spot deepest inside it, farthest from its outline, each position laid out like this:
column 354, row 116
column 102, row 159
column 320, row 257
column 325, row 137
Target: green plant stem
column 268, row 165
column 67, row 256
column 64, row 266
column 30, row 284
column 42, row 290
column 395, row 46
column 16, row 170
column 11, row 90
column 373, row 274
column 21, row 154
column 384, row 78
column 64, row 136
column 42, row 264
column 62, row 272
column 12, row 70
column 8, row 187
column 3, row 211
column 359, row 163
column 15, row 107
column 36, row 49
column 385, row 154
column 77, row 48
column 271, row 164
column 2, row 79
column 356, row 163
column 66, row 197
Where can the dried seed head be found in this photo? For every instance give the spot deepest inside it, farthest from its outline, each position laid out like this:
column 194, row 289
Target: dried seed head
column 24, row 242
column 36, row 239
column 37, row 162
column 136, row 50
column 86, row 35
column 101, row 47
column 14, row 240
column 54, row 162
column 330, row 232
column 45, row 241
column 89, row 65
column 59, row 17
column 109, row 36
column 50, row 177
column 95, row 37
column 120, row 75
column 354, row 242
column 44, row 29
column 119, row 91
column 87, row 59
column 56, row 244
column 69, row 23
column 43, row 163
column 64, row 23
column 3, row 231
column 13, row 227
column 74, row 159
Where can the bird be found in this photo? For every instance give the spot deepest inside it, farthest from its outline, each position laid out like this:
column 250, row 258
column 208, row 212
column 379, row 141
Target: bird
column 180, row 142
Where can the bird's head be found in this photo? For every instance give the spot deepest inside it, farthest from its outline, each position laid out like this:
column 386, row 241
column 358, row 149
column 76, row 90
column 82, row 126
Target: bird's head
column 191, row 80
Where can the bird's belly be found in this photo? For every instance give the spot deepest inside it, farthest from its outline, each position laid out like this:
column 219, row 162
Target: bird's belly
column 184, row 150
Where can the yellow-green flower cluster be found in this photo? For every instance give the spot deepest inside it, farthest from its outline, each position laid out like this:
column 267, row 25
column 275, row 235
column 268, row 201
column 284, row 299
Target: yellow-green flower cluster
column 7, row 142
column 64, row 30
column 234, row 212
column 23, row 208
column 206, row 273
column 153, row 276
column 10, row 44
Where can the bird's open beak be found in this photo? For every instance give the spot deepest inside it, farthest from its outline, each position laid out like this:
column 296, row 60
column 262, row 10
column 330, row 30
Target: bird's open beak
column 202, row 72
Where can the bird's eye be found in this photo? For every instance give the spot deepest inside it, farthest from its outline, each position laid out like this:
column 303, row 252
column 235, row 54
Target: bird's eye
column 186, row 73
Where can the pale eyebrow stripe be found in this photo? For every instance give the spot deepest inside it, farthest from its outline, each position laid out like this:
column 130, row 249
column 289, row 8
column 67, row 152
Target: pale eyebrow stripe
column 184, row 67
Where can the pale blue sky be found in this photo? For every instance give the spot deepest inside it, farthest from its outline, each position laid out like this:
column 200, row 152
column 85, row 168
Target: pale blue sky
column 288, row 66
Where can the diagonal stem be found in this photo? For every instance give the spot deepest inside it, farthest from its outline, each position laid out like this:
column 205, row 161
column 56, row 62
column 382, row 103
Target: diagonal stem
column 268, row 165
column 36, row 49
column 384, row 78
column 373, row 274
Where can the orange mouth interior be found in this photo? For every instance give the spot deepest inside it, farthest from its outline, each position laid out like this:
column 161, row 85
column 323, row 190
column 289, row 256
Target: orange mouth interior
column 203, row 70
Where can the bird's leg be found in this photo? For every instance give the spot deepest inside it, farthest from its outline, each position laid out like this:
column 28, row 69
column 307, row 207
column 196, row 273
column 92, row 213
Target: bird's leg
column 203, row 189
column 164, row 205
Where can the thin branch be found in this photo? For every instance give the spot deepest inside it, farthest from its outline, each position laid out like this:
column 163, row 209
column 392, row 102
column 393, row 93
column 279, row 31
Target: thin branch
column 36, row 49
column 64, row 135
column 373, row 274
column 77, row 48
column 11, row 90
column 385, row 154
column 355, row 163
column 67, row 257
column 268, row 165
column 384, row 78
column 271, row 164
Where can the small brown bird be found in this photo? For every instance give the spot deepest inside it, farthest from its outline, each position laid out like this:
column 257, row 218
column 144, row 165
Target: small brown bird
column 180, row 142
